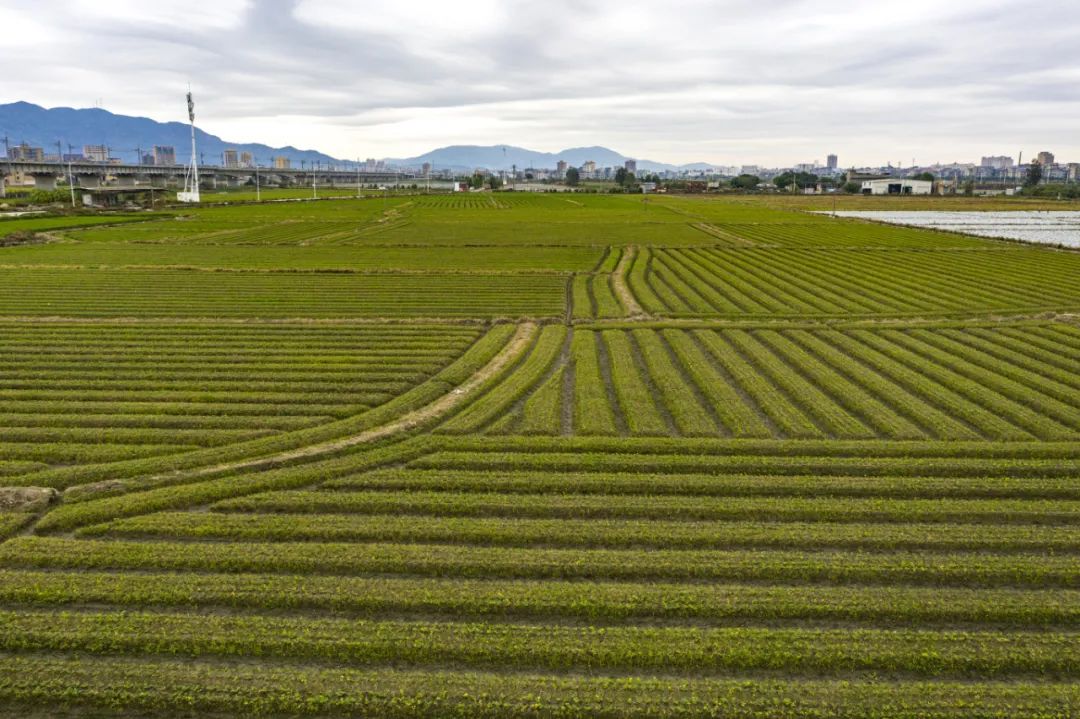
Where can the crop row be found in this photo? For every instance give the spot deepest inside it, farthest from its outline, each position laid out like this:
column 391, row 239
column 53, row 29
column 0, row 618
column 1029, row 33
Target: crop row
column 810, row 282
column 957, row 569
column 591, row 533
column 424, row 393
column 104, row 292
column 846, row 233
column 595, row 602
column 696, row 651
column 995, row 511
column 707, row 484
column 502, row 397
column 594, row 297
column 136, row 686
column 856, row 383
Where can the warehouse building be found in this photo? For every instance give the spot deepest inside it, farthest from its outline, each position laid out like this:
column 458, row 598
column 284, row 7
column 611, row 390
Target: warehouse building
column 897, row 186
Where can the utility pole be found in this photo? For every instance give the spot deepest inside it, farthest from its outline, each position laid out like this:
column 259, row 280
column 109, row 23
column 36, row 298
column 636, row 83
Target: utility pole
column 71, row 185
column 358, row 178
column 7, row 154
column 258, row 194
column 314, row 186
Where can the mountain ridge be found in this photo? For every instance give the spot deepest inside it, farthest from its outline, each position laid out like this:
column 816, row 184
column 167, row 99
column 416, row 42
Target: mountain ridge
column 125, row 134
column 38, row 126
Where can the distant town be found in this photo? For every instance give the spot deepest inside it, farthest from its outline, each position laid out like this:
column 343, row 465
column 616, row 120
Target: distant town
column 99, row 166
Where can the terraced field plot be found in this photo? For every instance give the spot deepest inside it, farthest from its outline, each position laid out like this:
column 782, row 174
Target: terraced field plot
column 531, row 455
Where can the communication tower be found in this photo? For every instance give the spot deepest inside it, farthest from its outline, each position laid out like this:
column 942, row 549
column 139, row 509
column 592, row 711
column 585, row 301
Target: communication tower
column 191, row 176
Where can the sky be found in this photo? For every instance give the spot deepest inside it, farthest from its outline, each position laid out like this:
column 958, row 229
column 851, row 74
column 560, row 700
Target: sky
column 729, row 82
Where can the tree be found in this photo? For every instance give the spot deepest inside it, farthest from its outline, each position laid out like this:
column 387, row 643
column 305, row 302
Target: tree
column 573, row 177
column 745, row 182
column 624, row 177
column 495, row 181
column 1034, row 174
column 852, row 188
column 801, row 179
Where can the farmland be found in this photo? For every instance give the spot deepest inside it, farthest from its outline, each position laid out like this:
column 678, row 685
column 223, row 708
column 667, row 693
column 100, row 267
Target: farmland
column 536, row 455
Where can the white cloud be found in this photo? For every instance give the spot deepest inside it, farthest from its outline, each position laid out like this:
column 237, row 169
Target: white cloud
column 727, row 81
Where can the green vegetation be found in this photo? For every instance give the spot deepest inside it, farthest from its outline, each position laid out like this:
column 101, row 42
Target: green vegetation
column 510, row 454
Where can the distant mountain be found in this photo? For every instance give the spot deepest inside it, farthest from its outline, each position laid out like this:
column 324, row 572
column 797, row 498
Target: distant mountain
column 124, row 134
column 41, row 127
column 503, row 157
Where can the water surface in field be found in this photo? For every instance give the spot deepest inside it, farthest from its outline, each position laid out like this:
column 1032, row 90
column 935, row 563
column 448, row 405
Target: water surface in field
column 1057, row 227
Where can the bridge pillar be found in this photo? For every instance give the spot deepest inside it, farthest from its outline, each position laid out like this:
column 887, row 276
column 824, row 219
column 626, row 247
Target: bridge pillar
column 89, row 180
column 126, row 180
column 45, row 181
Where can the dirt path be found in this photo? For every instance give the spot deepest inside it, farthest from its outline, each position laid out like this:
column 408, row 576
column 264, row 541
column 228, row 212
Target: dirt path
column 443, row 405
column 618, row 283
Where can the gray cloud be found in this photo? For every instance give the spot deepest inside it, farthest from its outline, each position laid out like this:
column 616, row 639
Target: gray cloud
column 732, row 81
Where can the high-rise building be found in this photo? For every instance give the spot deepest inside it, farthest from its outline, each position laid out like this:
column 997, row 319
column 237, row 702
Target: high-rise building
column 630, row 165
column 247, row 159
column 426, row 169
column 1045, row 158
column 588, row 169
column 997, row 162
column 831, row 162
column 282, row 163
column 230, row 158
column 560, row 167
column 164, row 155
column 24, row 153
column 96, row 153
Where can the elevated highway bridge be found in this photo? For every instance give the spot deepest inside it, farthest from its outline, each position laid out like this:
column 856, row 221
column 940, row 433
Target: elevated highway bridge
column 96, row 174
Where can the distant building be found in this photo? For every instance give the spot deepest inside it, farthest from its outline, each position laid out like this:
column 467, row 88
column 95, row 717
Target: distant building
column 282, row 163
column 897, row 186
column 749, row 170
column 147, row 159
column 808, row 167
column 860, row 177
column 24, row 153
column 560, row 168
column 164, row 155
column 1045, row 158
column 370, row 165
column 426, row 168
column 247, row 159
column 1073, row 172
column 630, row 165
column 230, row 158
column 96, row 153
column 997, row 162
column 831, row 162
column 588, row 170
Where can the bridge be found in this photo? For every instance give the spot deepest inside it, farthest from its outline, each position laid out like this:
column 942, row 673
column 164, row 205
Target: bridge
column 87, row 173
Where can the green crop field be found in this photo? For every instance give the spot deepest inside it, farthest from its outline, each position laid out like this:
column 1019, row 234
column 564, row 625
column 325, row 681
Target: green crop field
column 505, row 455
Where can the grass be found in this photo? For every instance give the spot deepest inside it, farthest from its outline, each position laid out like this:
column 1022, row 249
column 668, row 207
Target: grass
column 408, row 456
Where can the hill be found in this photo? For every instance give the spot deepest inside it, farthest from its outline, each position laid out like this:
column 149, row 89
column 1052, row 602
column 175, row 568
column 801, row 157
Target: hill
column 124, row 134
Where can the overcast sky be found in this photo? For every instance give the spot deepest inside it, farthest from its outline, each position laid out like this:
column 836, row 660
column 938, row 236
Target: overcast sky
column 770, row 82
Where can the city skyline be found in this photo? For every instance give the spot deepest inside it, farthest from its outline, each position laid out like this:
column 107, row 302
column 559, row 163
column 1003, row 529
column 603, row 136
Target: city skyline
column 722, row 83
